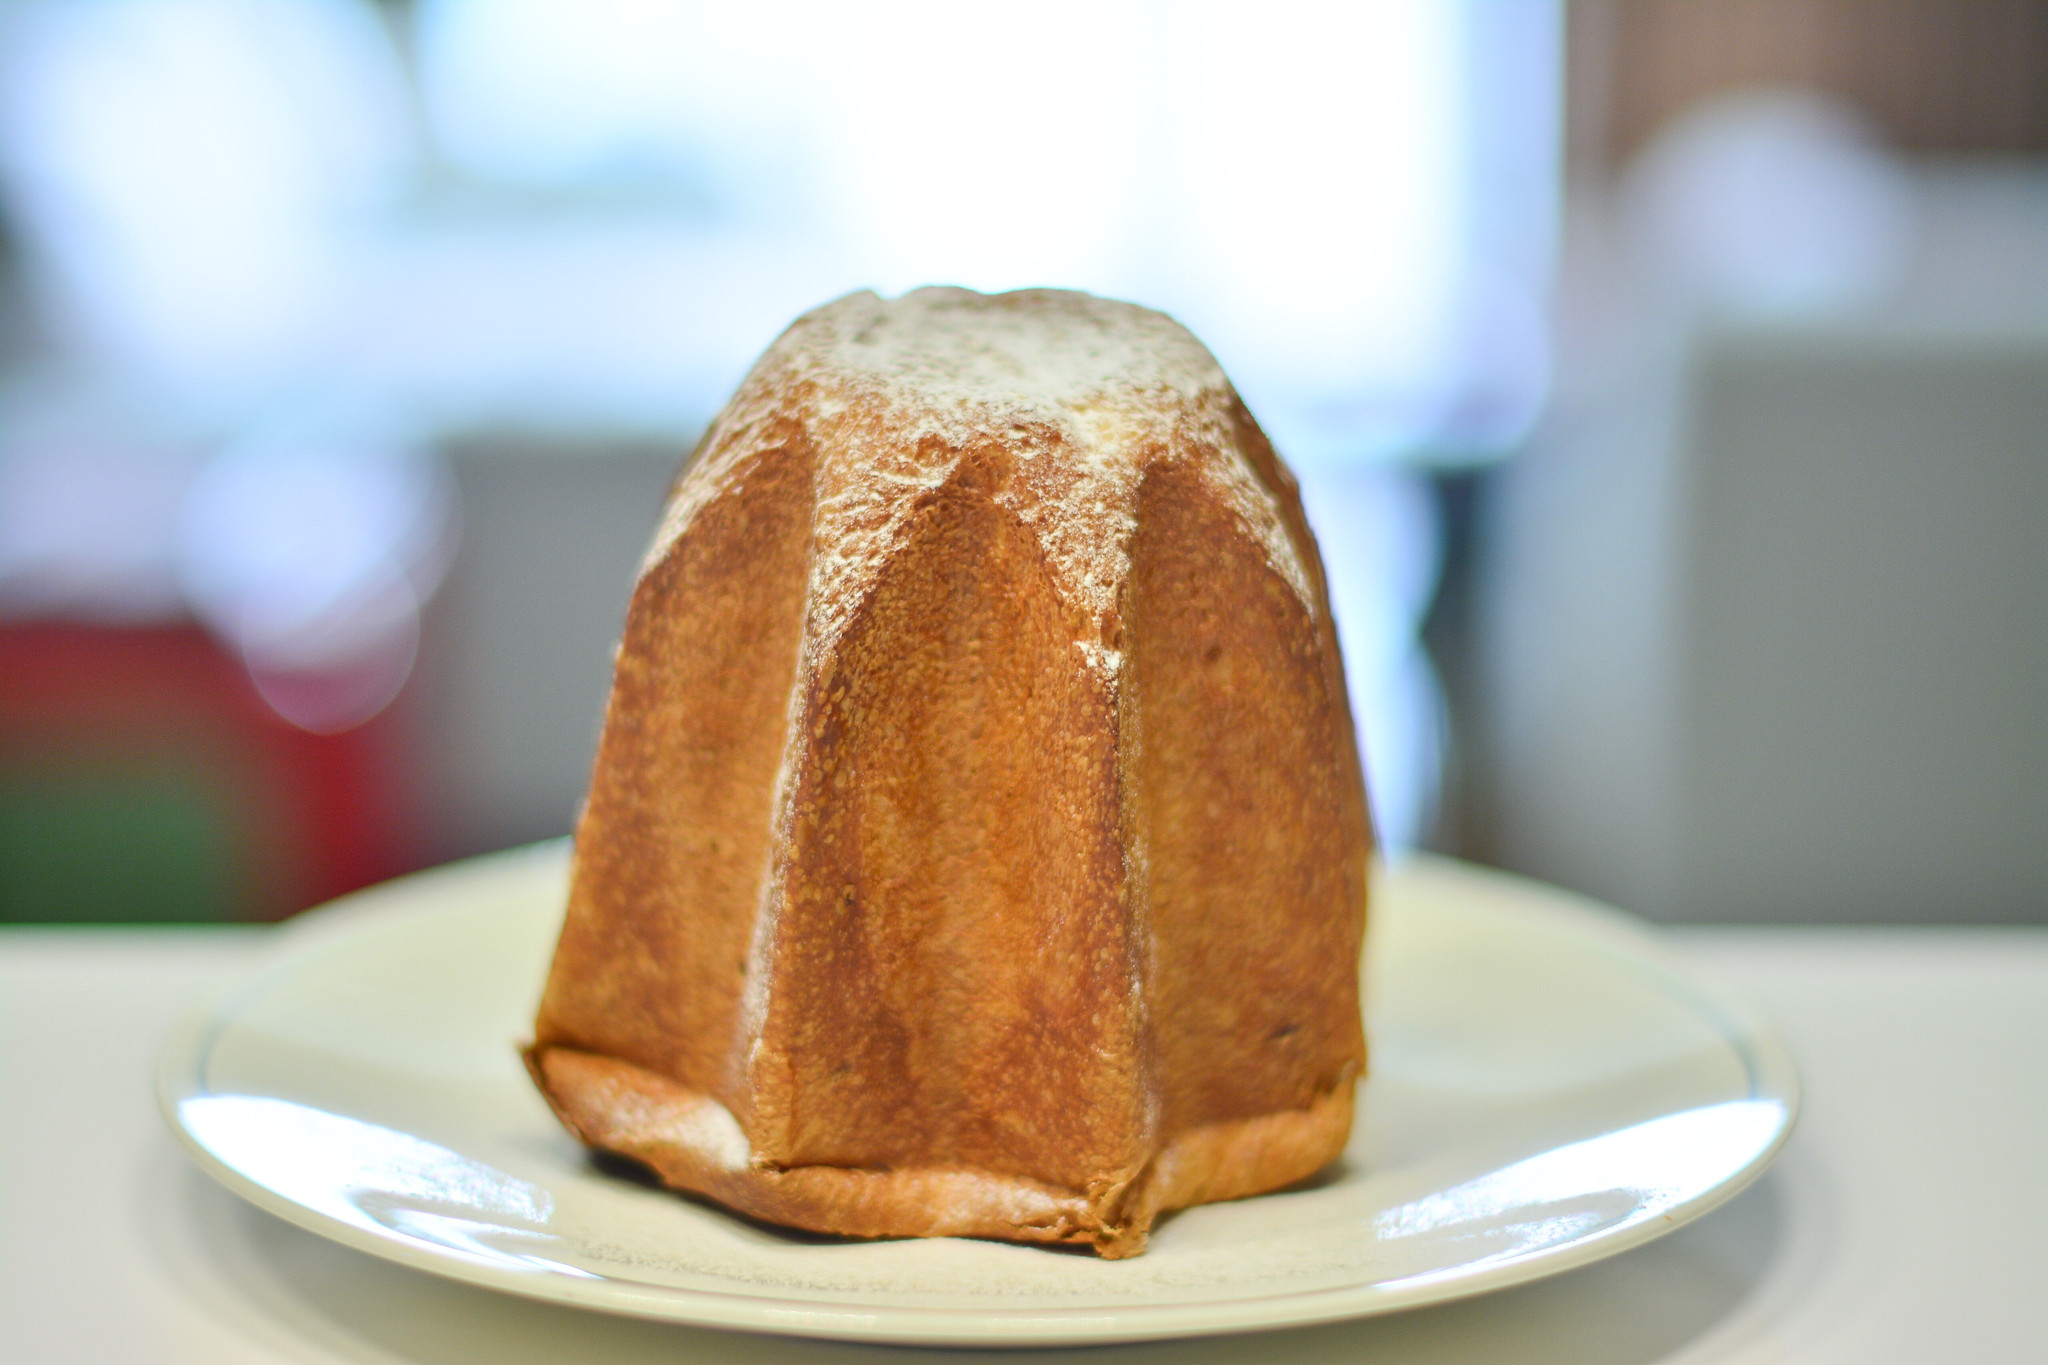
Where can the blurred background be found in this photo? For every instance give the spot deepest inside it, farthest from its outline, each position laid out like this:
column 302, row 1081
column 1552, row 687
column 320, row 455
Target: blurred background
column 1667, row 380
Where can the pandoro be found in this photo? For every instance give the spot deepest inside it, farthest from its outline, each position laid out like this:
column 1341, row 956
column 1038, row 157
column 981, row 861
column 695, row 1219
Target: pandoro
column 977, row 842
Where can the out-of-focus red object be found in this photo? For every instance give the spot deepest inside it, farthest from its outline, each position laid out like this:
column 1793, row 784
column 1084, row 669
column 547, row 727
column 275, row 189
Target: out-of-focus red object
column 143, row 778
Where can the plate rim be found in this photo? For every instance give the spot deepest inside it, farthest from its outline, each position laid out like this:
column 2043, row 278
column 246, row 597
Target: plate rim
column 1772, row 1075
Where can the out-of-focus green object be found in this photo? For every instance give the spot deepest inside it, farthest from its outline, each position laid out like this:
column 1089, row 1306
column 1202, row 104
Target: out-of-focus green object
column 116, row 846
column 143, row 779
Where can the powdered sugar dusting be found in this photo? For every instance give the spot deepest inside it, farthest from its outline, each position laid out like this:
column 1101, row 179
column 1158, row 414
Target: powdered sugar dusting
column 1064, row 398
column 1034, row 349
column 1069, row 389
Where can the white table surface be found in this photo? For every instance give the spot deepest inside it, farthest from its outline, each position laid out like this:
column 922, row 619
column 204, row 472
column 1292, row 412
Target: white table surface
column 1907, row 1220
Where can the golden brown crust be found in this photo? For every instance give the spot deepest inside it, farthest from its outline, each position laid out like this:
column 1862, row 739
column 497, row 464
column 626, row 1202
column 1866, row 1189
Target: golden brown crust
column 1243, row 760
column 676, row 829
column 977, row 843
column 692, row 1143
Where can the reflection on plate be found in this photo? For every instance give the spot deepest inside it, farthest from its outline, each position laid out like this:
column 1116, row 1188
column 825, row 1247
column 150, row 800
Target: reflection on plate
column 1548, row 1088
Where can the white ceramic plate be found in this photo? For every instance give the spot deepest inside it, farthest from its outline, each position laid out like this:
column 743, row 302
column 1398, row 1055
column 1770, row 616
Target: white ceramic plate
column 1548, row 1088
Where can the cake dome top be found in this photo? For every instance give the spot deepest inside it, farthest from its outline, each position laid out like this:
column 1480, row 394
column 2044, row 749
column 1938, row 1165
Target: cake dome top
column 1050, row 404
column 1034, row 346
